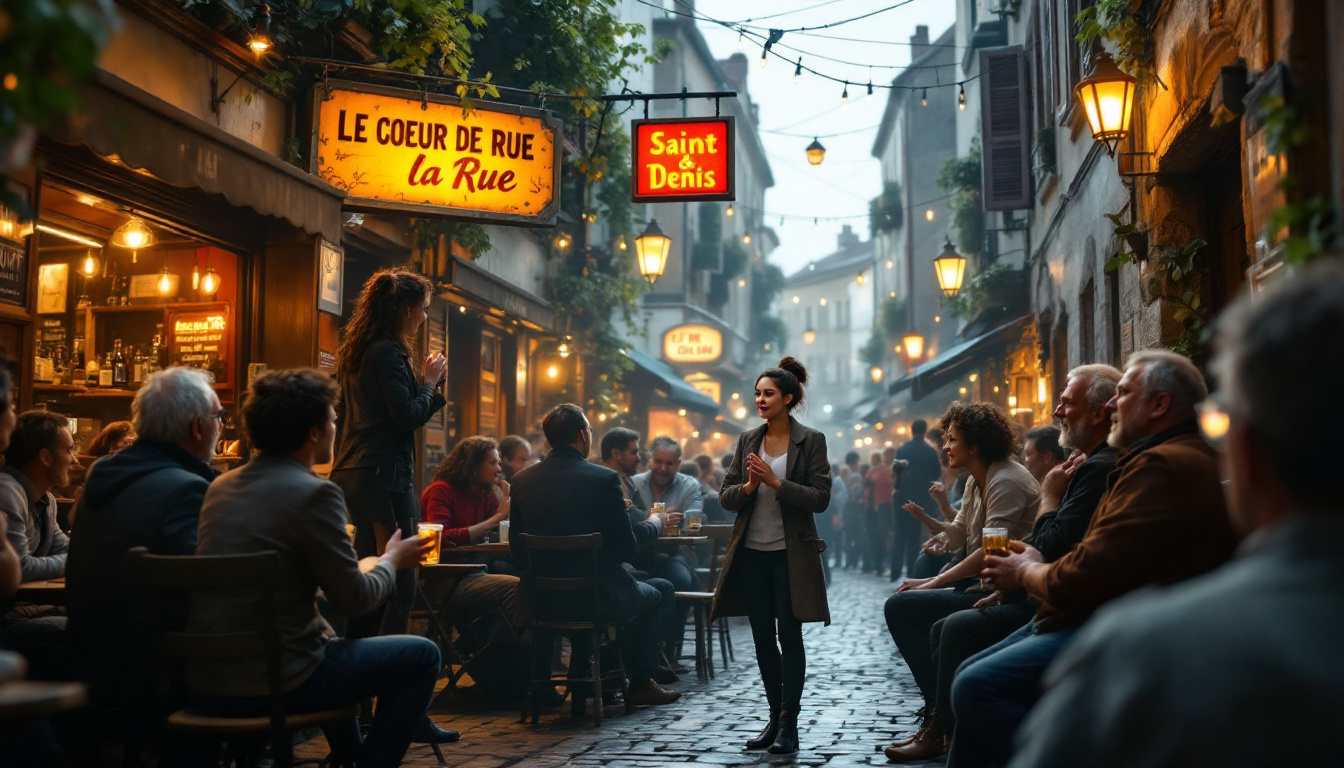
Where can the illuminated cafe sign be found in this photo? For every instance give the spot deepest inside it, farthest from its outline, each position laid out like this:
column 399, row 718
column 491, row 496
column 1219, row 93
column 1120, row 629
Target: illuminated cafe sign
column 693, row 344
column 682, row 159
column 397, row 150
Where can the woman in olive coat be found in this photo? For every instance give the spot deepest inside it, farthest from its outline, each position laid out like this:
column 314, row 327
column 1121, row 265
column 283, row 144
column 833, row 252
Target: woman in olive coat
column 779, row 480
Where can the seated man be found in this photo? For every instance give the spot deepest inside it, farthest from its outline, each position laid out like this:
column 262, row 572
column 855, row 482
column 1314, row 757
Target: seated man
column 682, row 493
column 1239, row 667
column 275, row 502
column 1163, row 520
column 1069, row 494
column 38, row 458
column 11, row 566
column 148, row 495
column 620, row 454
column 564, row 495
column 1041, row 451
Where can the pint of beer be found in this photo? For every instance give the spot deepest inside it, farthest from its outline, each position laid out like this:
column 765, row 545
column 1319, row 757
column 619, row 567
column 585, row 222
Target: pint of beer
column 693, row 522
column 669, row 528
column 995, row 541
column 433, row 532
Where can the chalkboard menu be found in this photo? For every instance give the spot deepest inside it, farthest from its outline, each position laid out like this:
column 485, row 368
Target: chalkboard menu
column 202, row 338
column 13, row 274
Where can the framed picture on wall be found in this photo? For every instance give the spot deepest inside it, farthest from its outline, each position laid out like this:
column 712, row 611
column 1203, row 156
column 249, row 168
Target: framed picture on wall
column 52, row 283
column 330, row 276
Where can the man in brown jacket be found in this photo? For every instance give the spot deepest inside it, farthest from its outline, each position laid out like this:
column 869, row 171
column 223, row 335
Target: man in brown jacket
column 1163, row 520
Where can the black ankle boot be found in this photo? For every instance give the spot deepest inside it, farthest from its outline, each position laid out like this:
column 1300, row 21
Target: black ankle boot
column 786, row 743
column 767, row 736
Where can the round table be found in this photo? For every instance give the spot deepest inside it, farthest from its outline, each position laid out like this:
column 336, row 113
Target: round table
column 31, row 699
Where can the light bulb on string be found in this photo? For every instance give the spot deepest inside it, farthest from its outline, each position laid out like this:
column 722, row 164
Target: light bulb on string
column 961, row 97
column 798, row 70
column 730, row 211
column 741, row 39
column 924, row 98
column 765, row 52
column 844, row 97
column 870, row 90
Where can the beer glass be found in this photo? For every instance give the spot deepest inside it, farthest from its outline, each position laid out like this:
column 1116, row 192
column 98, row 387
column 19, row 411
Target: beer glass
column 669, row 528
column 433, row 532
column 693, row 522
column 995, row 541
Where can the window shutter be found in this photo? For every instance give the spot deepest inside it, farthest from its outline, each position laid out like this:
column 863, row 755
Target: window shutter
column 1004, row 129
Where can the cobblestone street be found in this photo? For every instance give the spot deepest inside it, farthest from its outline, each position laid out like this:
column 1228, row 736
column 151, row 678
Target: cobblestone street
column 859, row 696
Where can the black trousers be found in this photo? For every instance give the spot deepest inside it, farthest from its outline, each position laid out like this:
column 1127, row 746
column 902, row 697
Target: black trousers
column 910, row 618
column 776, row 632
column 905, row 544
column 966, row 633
column 879, row 528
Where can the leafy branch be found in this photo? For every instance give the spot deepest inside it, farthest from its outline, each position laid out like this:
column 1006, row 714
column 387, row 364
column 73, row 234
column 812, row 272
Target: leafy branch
column 1132, row 37
column 961, row 178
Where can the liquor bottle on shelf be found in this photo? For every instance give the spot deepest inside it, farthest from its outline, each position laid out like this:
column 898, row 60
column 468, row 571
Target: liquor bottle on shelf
column 78, row 374
column 120, row 378
column 105, row 372
column 156, row 356
column 137, row 366
column 112, row 273
column 92, row 372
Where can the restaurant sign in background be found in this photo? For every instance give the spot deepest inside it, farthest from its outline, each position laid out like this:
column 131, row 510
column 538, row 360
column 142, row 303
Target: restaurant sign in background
column 692, row 344
column 392, row 149
column 682, row 159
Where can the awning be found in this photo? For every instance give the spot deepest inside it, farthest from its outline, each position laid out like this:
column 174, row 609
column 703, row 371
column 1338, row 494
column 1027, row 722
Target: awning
column 678, row 392
column 867, row 410
column 143, row 132
column 502, row 296
column 957, row 360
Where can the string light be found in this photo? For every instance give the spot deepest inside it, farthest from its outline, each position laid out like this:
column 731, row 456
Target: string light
column 765, row 52
column 961, row 97
column 844, row 97
column 741, row 39
column 870, row 90
column 798, row 71
column 729, row 213
column 923, row 99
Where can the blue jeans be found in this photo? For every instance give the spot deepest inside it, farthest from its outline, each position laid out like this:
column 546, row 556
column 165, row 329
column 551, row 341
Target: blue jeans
column 398, row 669
column 649, row 605
column 994, row 690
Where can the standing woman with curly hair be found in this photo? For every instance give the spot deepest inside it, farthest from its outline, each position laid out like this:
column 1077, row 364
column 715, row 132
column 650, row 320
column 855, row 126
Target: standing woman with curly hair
column 1001, row 493
column 383, row 402
column 780, row 479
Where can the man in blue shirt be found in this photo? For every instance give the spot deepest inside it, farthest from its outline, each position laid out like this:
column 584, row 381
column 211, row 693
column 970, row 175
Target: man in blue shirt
column 922, row 470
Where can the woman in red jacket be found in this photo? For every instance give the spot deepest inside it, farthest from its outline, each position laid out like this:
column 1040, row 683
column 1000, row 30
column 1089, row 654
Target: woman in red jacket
column 469, row 495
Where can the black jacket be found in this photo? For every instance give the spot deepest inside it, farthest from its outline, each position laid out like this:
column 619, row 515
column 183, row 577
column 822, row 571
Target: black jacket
column 565, row 495
column 1055, row 533
column 380, row 409
column 148, row 495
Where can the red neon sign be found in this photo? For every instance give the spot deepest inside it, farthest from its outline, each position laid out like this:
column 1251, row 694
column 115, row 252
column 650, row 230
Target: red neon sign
column 682, row 159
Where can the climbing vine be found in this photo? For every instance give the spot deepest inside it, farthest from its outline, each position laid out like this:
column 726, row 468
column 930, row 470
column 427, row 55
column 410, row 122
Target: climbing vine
column 1129, row 33
column 960, row 177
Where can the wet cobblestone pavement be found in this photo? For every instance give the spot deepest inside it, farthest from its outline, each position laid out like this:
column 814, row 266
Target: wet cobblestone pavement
column 859, row 696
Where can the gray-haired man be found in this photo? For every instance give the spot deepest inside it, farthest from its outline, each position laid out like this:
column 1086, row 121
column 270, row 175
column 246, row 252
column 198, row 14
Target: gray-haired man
column 148, row 495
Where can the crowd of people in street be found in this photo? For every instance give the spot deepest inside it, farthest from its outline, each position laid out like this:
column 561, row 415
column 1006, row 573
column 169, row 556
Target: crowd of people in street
column 1129, row 585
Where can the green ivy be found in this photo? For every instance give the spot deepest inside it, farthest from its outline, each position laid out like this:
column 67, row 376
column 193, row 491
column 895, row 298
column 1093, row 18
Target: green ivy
column 977, row 290
column 1112, row 20
column 735, row 259
column 961, row 178
column 767, row 282
column 425, row 233
column 892, row 317
column 1311, row 225
column 885, row 212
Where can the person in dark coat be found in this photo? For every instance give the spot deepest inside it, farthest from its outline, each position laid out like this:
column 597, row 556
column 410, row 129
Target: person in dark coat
column 383, row 402
column 147, row 495
column 780, row 479
column 565, row 495
column 922, row 470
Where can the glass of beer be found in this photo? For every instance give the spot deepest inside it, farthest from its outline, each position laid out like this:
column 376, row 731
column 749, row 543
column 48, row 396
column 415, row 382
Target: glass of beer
column 995, row 541
column 433, row 532
column 669, row 528
column 693, row 522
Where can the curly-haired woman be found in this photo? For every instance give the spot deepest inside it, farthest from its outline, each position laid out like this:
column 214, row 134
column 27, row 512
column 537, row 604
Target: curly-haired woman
column 462, row 497
column 383, row 402
column 1000, row 493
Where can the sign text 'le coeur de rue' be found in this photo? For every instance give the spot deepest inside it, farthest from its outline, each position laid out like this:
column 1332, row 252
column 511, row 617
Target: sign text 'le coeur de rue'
column 392, row 149
column 682, row 159
column 692, row 344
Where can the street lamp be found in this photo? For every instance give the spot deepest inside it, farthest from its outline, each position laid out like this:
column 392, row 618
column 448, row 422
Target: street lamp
column 651, row 249
column 809, row 336
column 815, row 152
column 876, row 372
column 914, row 345
column 951, row 269
column 1107, row 97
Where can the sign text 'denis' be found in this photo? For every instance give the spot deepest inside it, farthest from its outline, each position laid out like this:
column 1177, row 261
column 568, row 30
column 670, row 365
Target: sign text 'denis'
column 682, row 159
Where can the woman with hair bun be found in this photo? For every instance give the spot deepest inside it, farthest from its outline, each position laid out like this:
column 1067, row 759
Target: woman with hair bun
column 779, row 479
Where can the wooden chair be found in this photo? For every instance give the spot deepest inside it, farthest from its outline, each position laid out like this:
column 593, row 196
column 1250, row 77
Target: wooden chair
column 719, row 535
column 583, row 552
column 704, row 643
column 258, row 573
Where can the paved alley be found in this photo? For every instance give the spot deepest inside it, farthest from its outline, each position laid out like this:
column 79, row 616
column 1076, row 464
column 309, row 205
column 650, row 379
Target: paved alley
column 859, row 696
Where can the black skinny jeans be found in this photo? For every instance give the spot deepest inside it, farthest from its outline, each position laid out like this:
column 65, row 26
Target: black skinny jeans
column 765, row 585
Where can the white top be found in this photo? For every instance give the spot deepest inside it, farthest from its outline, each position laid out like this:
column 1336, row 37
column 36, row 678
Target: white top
column 765, row 532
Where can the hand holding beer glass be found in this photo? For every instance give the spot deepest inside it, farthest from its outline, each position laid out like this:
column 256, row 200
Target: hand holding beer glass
column 434, row 533
column 995, row 543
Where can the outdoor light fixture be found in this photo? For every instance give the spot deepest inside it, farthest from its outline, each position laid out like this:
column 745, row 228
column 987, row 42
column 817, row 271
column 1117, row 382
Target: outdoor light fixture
column 681, row 411
column 260, row 39
column 746, row 239
column 740, row 413
column 862, row 278
column 1107, row 97
column 844, row 97
column 729, row 213
column 209, row 283
column 809, row 336
column 924, row 98
column 621, row 244
column 88, row 266
column 651, row 249
column 951, row 269
column 914, row 345
column 563, row 241
column 798, row 70
column 869, row 95
column 961, row 98
column 133, row 235
column 815, row 153
column 552, row 372
column 796, row 299
column 165, row 284
column 928, row 214
column 564, row 349
column 68, row 235
column 876, row 372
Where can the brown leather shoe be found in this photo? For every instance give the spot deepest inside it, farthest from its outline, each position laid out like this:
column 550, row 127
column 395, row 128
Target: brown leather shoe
column 912, row 738
column 651, row 694
column 926, row 747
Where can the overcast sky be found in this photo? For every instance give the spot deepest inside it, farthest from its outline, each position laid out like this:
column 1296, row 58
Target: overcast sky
column 850, row 175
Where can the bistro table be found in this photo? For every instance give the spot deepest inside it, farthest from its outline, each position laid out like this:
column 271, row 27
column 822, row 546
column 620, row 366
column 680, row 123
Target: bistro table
column 676, row 541
column 46, row 592
column 496, row 548
column 430, row 574
column 32, row 699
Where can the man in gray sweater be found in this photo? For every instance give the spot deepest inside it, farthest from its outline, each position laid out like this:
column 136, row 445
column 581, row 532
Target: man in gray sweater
column 275, row 502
